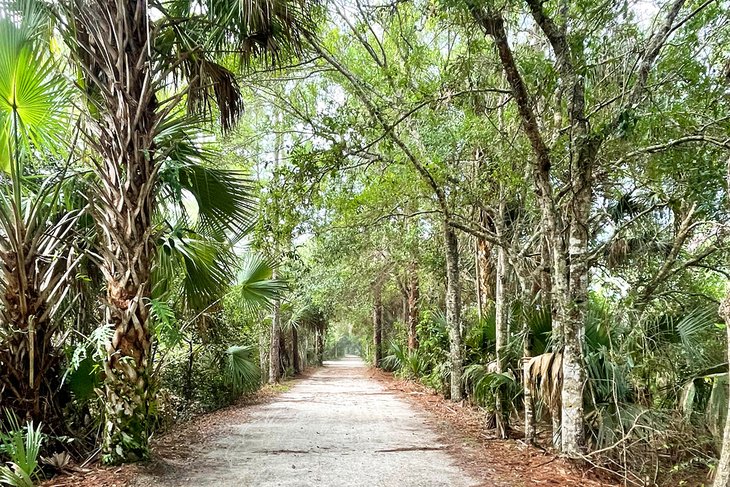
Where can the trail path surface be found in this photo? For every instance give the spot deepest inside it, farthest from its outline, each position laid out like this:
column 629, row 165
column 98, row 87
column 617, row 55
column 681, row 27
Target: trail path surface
column 337, row 427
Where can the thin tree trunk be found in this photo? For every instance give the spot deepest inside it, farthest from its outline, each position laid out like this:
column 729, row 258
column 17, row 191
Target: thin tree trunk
column 530, row 432
column 524, row 278
column 722, row 474
column 572, row 421
column 319, row 344
column 546, row 287
column 284, row 362
column 378, row 327
column 264, row 355
column 413, row 315
column 296, row 363
column 275, row 345
column 453, row 310
column 501, row 327
column 485, row 267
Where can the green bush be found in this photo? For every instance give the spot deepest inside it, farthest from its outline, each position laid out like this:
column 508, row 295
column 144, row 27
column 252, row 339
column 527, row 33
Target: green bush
column 21, row 445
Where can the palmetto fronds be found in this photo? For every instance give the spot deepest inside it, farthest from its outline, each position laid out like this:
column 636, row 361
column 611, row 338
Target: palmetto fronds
column 546, row 377
column 256, row 287
column 22, row 444
column 241, row 368
column 223, row 198
column 483, row 381
column 196, row 36
column 35, row 233
column 406, row 363
column 33, row 97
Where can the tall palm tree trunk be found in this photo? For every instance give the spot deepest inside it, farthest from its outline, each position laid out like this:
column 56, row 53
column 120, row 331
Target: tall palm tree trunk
column 113, row 49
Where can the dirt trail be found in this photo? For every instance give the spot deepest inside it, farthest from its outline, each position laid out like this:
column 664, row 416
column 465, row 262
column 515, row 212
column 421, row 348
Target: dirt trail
column 337, row 427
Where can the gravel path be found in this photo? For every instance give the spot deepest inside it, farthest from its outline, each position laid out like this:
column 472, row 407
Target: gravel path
column 335, row 428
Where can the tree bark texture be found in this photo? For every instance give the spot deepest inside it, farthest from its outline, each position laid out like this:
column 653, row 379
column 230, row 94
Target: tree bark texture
column 296, row 361
column 502, row 333
column 114, row 48
column 453, row 311
column 275, row 345
column 378, row 327
column 722, row 474
column 413, row 314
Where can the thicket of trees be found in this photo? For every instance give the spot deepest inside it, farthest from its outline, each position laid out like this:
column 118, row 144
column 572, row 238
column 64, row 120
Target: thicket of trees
column 522, row 205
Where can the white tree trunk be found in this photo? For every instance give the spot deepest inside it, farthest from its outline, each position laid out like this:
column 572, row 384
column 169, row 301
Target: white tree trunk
column 274, row 345
column 501, row 309
column 453, row 310
column 722, row 474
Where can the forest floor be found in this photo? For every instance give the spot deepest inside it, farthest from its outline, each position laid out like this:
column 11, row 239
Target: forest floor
column 342, row 425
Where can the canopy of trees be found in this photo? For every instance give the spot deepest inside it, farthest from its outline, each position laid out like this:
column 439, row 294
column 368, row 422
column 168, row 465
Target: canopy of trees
column 520, row 204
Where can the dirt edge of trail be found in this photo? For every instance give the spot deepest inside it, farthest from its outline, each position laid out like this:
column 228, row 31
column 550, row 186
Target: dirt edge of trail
column 494, row 462
column 175, row 446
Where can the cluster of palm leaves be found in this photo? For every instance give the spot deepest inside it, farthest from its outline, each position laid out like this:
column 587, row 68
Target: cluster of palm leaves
column 128, row 210
column 408, row 363
column 22, row 444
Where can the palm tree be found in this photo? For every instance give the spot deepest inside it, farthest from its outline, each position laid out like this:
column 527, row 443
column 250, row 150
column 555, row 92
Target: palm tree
column 35, row 255
column 128, row 59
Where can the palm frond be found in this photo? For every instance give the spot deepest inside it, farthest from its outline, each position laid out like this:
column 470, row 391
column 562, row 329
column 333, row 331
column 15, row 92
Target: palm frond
column 22, row 444
column 483, row 381
column 546, row 378
column 34, row 97
column 201, row 266
column 242, row 372
column 257, row 289
column 225, row 200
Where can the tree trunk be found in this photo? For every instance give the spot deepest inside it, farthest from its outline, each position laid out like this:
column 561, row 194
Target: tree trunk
column 486, row 272
column 722, row 474
column 126, row 370
column 502, row 333
column 319, row 344
column 296, row 363
column 284, row 362
column 525, row 278
column 30, row 364
column 572, row 421
column 28, row 358
column 546, row 288
column 275, row 345
column 114, row 36
column 264, row 355
column 453, row 310
column 413, row 315
column 378, row 328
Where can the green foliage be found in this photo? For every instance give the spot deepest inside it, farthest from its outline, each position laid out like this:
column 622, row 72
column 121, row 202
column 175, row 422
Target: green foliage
column 482, row 383
column 241, row 368
column 408, row 364
column 22, row 446
column 33, row 97
column 256, row 287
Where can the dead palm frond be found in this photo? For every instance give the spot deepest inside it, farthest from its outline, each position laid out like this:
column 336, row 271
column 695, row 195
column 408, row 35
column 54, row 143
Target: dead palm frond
column 546, row 378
